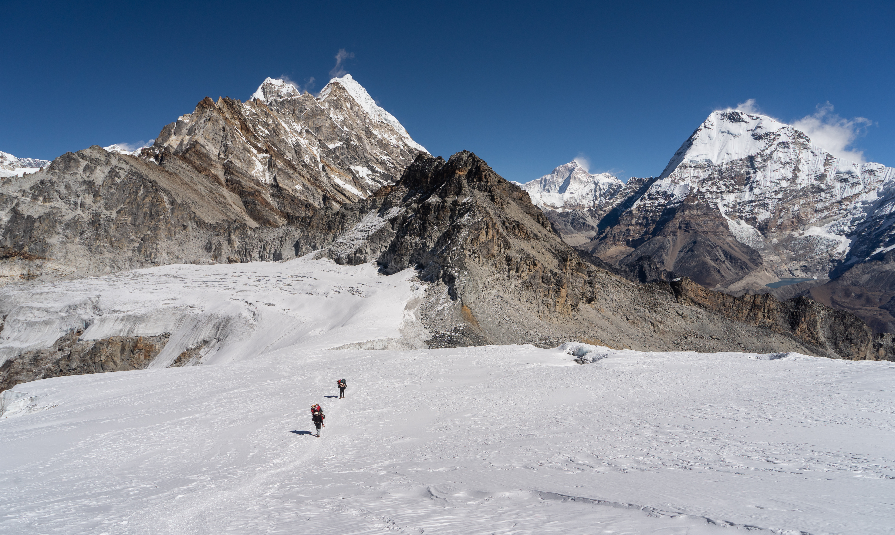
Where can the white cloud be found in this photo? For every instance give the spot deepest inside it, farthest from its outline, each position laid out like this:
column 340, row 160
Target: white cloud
column 339, row 69
column 309, row 84
column 833, row 133
column 749, row 107
column 583, row 161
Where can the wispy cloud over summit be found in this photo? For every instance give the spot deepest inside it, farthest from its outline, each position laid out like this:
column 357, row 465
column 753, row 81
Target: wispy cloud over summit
column 833, row 133
column 826, row 129
column 339, row 69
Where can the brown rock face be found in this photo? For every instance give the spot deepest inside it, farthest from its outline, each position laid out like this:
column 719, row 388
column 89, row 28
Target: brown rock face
column 72, row 356
column 828, row 332
column 867, row 290
column 692, row 239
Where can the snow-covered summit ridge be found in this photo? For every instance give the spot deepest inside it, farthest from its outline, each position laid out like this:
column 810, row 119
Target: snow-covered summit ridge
column 276, row 88
column 730, row 135
column 272, row 88
column 360, row 95
column 13, row 166
column 571, row 187
column 130, row 149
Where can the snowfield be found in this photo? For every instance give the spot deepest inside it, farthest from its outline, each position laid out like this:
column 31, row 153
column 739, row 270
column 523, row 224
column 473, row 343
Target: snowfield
column 496, row 439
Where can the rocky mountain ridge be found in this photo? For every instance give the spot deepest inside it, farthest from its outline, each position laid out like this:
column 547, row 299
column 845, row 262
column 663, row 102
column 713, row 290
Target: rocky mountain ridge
column 494, row 272
column 230, row 182
column 505, row 276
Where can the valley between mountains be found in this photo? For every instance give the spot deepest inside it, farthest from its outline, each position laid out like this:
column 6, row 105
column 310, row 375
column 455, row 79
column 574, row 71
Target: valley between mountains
column 705, row 350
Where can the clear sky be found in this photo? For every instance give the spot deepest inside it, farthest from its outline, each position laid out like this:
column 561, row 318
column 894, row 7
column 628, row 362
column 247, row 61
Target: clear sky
column 525, row 85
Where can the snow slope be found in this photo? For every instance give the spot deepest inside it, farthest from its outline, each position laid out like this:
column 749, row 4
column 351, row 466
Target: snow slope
column 498, row 439
column 232, row 311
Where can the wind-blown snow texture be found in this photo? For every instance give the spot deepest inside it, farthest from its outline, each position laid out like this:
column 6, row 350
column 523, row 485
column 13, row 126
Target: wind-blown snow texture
column 231, row 311
column 12, row 166
column 497, row 439
column 571, row 187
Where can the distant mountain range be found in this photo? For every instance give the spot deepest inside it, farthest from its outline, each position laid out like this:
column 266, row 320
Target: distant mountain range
column 12, row 166
column 746, row 201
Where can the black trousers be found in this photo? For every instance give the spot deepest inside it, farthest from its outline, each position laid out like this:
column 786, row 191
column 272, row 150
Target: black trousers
column 341, row 392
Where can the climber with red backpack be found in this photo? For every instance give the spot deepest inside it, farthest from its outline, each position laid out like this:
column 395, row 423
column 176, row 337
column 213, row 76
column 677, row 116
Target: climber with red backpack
column 317, row 417
column 342, row 386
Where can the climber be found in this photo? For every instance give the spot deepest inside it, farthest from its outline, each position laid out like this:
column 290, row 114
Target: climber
column 317, row 417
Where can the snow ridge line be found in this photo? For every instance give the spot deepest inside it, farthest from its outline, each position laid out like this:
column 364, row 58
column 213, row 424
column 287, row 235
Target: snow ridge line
column 652, row 511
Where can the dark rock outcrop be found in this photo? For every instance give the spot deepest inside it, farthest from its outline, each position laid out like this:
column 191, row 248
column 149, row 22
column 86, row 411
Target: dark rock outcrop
column 827, row 331
column 72, row 356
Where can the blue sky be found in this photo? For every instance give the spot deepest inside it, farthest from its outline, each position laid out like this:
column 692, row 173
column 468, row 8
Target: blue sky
column 525, row 85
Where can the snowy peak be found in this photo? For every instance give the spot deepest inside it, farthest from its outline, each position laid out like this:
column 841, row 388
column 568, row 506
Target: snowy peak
column 275, row 88
column 730, row 135
column 571, row 187
column 366, row 102
column 12, row 166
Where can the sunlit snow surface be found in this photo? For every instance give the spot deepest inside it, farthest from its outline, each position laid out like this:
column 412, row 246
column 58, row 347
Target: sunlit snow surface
column 499, row 439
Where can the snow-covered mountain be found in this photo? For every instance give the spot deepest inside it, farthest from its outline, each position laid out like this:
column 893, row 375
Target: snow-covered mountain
column 12, row 166
column 231, row 181
column 748, row 201
column 777, row 193
column 794, row 202
column 571, row 187
column 334, row 148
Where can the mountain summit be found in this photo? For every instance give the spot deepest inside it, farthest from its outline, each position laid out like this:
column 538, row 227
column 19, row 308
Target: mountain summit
column 749, row 201
column 231, row 181
column 571, row 187
column 12, row 166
